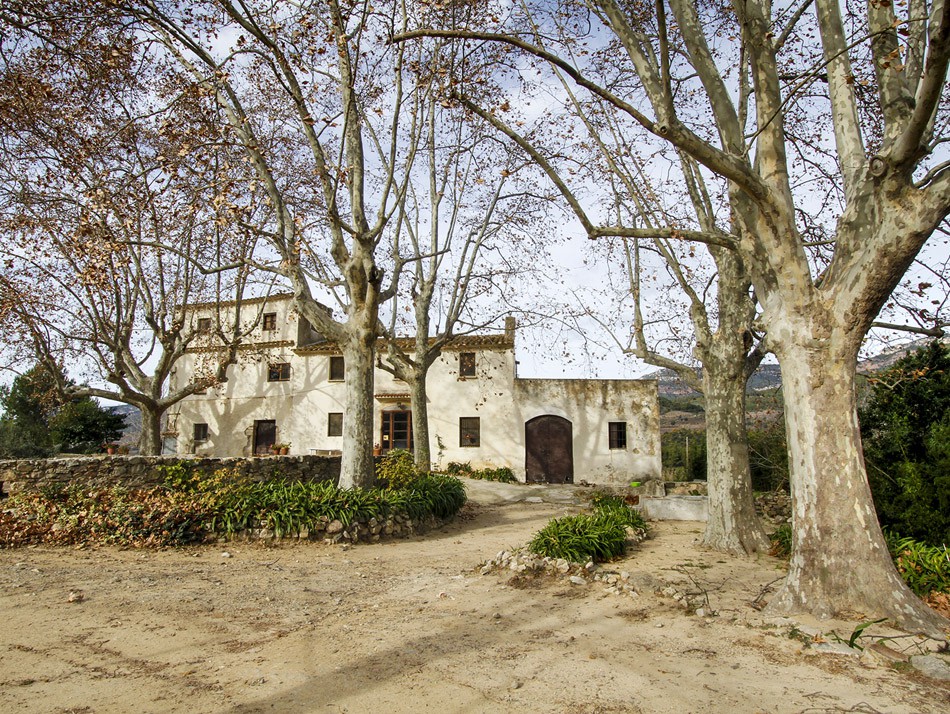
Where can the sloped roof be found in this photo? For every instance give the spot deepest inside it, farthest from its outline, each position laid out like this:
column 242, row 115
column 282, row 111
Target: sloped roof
column 456, row 344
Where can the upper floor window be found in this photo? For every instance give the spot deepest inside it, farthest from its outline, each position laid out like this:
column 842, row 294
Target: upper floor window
column 335, row 424
column 617, row 434
column 200, row 432
column 204, row 325
column 270, row 321
column 337, row 369
column 278, row 372
column 470, row 431
column 466, row 364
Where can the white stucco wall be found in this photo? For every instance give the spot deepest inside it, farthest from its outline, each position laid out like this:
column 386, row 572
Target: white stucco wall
column 301, row 405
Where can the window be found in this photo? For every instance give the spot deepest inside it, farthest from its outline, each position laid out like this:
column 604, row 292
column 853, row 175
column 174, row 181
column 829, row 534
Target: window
column 617, row 434
column 470, row 431
column 201, row 432
column 337, row 369
column 335, row 424
column 466, row 364
column 204, row 325
column 270, row 321
column 279, row 372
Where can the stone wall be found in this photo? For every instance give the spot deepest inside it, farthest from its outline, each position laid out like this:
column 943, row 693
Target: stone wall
column 26, row 475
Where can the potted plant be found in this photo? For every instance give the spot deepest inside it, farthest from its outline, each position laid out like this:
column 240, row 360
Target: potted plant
column 377, row 450
column 110, row 448
column 281, row 449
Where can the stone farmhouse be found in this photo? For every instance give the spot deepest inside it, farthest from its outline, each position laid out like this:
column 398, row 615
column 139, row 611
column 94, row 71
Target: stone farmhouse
column 288, row 388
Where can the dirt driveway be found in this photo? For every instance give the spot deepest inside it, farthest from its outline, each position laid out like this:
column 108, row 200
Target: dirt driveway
column 412, row 626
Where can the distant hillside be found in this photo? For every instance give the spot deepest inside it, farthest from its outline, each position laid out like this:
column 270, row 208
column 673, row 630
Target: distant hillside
column 133, row 424
column 769, row 376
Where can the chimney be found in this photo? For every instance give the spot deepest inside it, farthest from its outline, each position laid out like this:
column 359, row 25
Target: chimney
column 510, row 324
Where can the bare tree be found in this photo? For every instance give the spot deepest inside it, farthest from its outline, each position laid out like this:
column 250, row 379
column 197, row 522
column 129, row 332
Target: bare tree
column 328, row 120
column 466, row 223
column 816, row 308
column 89, row 193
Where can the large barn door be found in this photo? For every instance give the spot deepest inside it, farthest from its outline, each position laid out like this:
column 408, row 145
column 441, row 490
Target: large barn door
column 549, row 450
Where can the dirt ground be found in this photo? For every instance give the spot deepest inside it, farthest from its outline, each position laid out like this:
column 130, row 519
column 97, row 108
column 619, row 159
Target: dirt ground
column 413, row 626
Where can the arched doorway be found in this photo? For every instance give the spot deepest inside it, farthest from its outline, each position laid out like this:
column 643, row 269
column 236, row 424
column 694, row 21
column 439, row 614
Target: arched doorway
column 549, row 450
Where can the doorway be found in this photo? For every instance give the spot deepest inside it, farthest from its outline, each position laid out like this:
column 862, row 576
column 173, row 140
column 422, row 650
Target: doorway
column 549, row 450
column 396, row 432
column 265, row 435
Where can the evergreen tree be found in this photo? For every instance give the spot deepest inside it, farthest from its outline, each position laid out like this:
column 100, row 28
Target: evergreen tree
column 905, row 425
column 37, row 420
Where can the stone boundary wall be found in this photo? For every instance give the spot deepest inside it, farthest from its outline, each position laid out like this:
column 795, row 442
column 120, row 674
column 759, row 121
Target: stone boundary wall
column 26, row 475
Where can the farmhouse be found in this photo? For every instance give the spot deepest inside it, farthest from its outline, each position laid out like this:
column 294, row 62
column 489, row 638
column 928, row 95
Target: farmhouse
column 288, row 388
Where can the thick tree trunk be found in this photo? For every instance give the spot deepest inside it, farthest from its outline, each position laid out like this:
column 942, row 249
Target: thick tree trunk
column 420, row 422
column 150, row 440
column 358, row 469
column 733, row 526
column 840, row 565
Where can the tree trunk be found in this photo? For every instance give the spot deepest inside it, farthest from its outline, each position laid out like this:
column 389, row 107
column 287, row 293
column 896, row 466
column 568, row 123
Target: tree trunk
column 150, row 440
column 733, row 526
column 840, row 565
column 357, row 468
column 420, row 421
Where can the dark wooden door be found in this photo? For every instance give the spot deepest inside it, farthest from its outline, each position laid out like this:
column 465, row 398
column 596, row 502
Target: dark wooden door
column 549, row 450
column 396, row 431
column 265, row 435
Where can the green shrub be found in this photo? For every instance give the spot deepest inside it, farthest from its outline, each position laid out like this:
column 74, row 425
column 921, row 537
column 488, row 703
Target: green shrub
column 905, row 425
column 581, row 538
column 396, row 469
column 925, row 568
column 501, row 474
column 192, row 505
column 599, row 536
column 617, row 506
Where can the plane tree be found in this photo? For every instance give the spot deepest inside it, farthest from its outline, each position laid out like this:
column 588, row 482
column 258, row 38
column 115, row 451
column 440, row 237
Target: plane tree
column 91, row 193
column 869, row 80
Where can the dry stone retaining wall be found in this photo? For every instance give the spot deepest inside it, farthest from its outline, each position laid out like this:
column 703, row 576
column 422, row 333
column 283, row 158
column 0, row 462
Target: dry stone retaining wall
column 25, row 475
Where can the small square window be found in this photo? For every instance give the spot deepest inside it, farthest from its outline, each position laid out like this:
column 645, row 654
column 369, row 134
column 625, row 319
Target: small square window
column 617, row 434
column 279, row 372
column 335, row 424
column 466, row 364
column 204, row 325
column 270, row 321
column 201, row 432
column 470, row 431
column 337, row 369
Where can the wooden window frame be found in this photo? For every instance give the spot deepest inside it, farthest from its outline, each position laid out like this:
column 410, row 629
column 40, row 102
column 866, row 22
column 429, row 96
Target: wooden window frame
column 467, row 364
column 278, row 372
column 204, row 326
column 199, row 432
column 335, row 419
column 617, row 435
column 269, row 322
column 470, row 432
column 337, row 374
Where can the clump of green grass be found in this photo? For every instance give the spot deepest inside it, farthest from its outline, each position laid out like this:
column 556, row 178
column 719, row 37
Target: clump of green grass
column 781, row 541
column 599, row 536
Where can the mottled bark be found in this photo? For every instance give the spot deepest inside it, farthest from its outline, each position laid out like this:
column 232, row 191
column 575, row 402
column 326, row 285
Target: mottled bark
column 357, row 468
column 733, row 526
column 420, row 422
column 840, row 565
column 150, row 440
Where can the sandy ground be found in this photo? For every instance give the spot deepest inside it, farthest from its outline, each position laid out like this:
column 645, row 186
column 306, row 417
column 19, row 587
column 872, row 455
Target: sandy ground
column 413, row 626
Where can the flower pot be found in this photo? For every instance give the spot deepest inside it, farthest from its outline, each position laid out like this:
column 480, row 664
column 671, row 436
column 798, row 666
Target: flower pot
column 284, row 450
